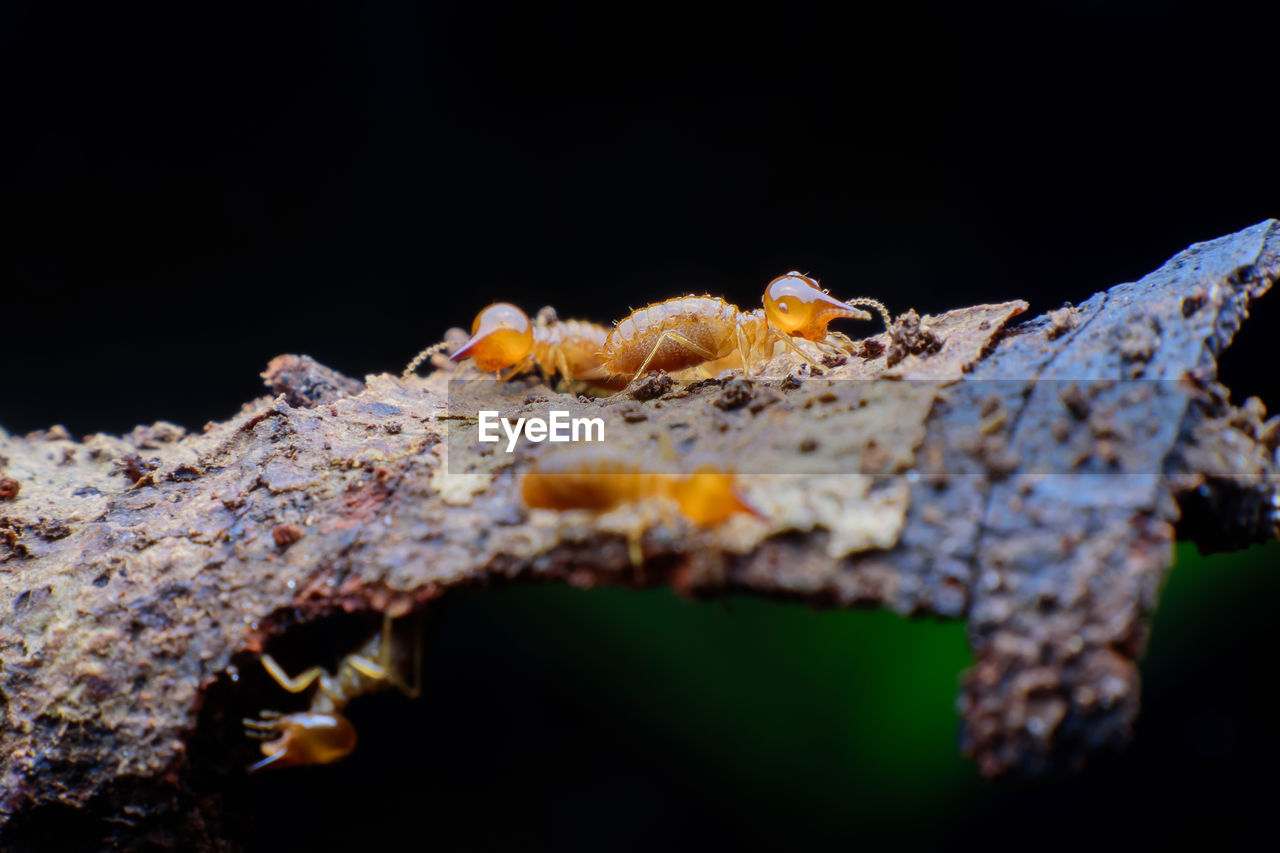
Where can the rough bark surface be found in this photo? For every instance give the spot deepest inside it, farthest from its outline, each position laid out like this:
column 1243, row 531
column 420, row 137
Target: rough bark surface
column 1027, row 478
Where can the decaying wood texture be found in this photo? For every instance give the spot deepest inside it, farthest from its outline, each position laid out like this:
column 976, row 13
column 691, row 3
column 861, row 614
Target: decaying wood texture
column 1027, row 478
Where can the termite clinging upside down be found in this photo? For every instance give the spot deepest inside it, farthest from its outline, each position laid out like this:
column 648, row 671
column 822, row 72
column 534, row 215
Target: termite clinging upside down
column 321, row 734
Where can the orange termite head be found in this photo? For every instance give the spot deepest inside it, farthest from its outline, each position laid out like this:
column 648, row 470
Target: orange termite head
column 308, row 738
column 709, row 496
column 501, row 336
column 795, row 305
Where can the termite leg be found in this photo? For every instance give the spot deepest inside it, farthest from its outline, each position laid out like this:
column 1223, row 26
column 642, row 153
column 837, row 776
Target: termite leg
column 270, row 723
column 421, row 357
column 692, row 346
column 743, row 351
column 383, row 669
column 843, row 344
column 293, row 685
column 828, row 348
column 562, row 364
column 786, row 339
column 388, row 637
column 368, row 668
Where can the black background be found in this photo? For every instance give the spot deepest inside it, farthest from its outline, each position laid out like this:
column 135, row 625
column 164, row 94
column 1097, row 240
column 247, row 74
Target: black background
column 193, row 190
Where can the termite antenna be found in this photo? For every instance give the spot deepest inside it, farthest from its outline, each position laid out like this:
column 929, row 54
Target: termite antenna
column 868, row 302
column 421, row 357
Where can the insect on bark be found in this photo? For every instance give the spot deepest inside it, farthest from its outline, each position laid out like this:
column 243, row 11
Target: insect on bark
column 322, row 734
column 693, row 331
column 503, row 338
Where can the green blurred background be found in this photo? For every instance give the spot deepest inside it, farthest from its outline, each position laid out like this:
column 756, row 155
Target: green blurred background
column 582, row 719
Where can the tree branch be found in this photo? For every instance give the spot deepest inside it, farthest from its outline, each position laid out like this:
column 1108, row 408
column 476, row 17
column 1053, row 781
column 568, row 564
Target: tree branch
column 1027, row 478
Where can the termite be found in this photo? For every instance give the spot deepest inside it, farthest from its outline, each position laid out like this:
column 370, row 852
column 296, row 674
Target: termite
column 598, row 480
column 792, row 307
column 321, row 734
column 690, row 331
column 503, row 338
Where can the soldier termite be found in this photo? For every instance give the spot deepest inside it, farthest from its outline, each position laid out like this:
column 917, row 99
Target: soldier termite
column 503, row 338
column 690, row 331
column 322, row 734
